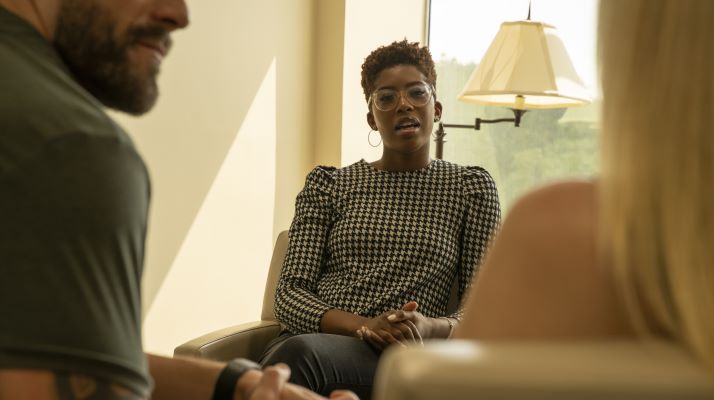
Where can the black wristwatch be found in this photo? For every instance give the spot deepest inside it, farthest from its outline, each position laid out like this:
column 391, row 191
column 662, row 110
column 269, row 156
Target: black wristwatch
column 227, row 380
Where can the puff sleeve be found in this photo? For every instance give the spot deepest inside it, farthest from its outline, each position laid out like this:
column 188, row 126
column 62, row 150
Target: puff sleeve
column 297, row 306
column 481, row 221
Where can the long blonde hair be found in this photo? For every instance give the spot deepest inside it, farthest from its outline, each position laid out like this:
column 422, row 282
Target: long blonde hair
column 657, row 196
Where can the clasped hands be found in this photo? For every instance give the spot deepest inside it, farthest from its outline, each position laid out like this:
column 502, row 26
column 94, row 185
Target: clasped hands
column 401, row 327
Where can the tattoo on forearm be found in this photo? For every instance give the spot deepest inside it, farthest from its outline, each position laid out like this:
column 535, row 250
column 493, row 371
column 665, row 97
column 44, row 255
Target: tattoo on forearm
column 83, row 387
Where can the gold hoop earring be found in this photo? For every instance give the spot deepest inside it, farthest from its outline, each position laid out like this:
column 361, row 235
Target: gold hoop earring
column 369, row 139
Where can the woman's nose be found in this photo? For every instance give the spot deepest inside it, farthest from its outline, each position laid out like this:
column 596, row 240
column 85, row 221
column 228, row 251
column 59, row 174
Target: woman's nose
column 404, row 104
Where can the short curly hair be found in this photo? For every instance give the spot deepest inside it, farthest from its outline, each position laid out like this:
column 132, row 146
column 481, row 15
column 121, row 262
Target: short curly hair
column 397, row 53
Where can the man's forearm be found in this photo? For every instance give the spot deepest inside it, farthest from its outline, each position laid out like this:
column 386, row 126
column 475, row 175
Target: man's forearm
column 191, row 378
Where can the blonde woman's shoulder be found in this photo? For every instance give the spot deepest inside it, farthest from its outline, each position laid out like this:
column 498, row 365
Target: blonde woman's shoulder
column 561, row 208
column 542, row 277
column 554, row 227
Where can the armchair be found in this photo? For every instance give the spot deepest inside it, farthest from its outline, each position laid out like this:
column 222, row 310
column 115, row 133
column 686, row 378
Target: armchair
column 250, row 339
column 245, row 340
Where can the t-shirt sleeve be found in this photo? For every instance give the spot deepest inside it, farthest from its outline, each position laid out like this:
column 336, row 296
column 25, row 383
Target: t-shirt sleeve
column 297, row 305
column 483, row 216
column 71, row 244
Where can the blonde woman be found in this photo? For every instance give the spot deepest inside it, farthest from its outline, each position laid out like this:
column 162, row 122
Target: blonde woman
column 631, row 254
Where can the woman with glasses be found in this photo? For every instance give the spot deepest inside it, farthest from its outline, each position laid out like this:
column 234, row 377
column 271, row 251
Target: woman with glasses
column 375, row 247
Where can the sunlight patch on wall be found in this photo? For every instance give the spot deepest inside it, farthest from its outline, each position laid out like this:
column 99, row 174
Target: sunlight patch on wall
column 211, row 284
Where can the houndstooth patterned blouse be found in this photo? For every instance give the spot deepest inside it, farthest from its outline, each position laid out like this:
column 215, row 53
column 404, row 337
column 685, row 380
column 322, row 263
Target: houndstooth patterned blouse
column 367, row 241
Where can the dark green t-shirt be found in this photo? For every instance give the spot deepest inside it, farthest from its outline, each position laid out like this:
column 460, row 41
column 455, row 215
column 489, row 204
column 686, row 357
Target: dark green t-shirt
column 74, row 197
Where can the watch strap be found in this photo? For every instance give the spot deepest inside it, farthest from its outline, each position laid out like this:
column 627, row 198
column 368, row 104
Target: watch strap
column 229, row 376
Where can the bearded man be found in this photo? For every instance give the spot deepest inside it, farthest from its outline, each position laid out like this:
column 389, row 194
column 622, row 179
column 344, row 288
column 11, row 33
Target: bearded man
column 74, row 197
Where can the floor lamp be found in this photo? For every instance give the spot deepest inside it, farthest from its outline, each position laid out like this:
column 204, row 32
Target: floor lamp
column 526, row 67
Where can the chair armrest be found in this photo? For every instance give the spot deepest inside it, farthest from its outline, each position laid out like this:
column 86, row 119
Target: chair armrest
column 460, row 370
column 241, row 341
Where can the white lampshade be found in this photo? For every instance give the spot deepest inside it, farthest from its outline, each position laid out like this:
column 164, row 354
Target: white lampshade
column 528, row 59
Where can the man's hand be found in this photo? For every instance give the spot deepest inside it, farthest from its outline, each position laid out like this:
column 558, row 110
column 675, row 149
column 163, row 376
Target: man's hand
column 271, row 384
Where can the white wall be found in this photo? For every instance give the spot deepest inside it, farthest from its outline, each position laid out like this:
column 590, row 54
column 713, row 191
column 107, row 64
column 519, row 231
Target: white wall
column 253, row 95
column 368, row 25
column 329, row 60
column 230, row 135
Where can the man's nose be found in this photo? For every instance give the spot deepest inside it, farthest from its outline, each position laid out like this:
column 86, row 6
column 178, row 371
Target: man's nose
column 171, row 13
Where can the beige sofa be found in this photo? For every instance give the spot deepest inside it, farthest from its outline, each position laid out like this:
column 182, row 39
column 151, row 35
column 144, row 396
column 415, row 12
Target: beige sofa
column 460, row 370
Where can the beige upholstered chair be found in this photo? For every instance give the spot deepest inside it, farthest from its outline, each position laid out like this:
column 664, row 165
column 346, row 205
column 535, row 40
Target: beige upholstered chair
column 245, row 340
column 460, row 370
column 250, row 339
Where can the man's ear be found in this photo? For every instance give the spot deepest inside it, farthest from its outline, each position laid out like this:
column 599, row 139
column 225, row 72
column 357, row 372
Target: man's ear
column 371, row 122
column 438, row 108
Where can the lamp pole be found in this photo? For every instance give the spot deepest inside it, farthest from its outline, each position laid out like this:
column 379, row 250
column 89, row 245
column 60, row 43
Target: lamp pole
column 440, row 133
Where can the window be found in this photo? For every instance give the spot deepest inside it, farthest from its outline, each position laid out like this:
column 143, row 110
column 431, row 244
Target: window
column 550, row 144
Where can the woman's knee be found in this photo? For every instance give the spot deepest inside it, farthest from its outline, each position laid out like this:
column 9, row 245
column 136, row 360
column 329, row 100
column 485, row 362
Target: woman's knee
column 294, row 349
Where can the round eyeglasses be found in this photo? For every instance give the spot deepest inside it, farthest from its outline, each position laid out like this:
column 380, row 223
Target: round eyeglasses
column 387, row 99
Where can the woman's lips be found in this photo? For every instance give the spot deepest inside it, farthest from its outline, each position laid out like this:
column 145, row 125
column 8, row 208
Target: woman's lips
column 407, row 126
column 407, row 130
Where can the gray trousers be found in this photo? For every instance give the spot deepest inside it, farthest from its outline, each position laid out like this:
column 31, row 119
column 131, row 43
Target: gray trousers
column 323, row 362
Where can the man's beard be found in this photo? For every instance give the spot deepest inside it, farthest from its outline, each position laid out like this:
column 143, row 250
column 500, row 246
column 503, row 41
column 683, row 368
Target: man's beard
column 85, row 40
